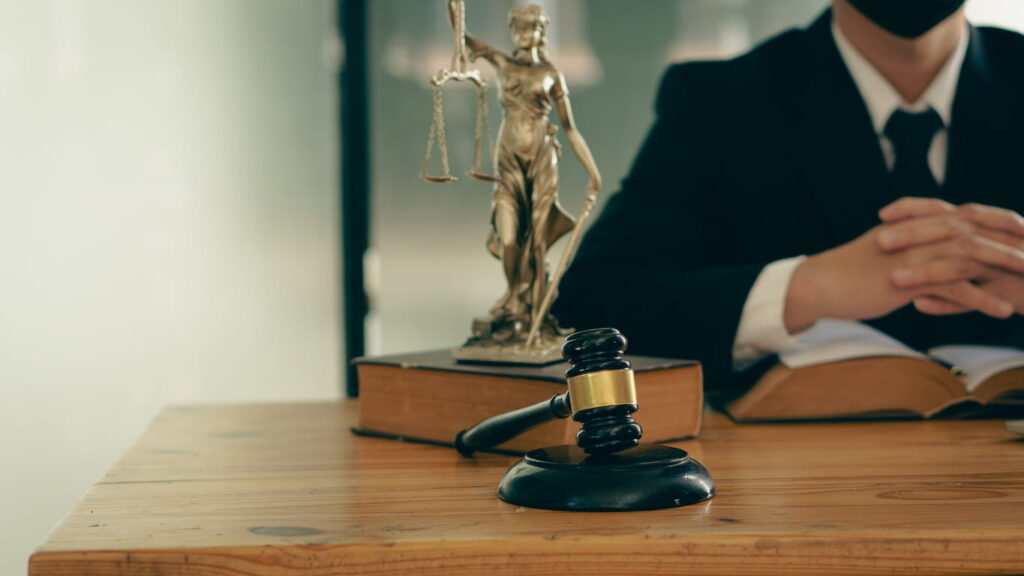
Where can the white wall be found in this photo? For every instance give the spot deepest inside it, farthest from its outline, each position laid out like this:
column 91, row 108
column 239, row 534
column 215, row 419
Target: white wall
column 168, row 228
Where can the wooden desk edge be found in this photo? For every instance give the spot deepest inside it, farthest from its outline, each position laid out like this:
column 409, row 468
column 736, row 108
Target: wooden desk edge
column 944, row 551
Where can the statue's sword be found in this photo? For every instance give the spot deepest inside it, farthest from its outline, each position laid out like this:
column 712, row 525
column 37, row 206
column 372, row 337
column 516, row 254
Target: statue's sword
column 570, row 249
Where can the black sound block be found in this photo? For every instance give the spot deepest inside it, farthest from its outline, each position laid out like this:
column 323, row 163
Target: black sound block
column 647, row 477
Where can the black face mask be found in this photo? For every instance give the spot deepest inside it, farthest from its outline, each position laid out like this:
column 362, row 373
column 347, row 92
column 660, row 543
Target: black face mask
column 907, row 18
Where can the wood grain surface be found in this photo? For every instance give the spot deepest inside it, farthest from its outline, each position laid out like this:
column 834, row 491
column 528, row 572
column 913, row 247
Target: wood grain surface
column 287, row 489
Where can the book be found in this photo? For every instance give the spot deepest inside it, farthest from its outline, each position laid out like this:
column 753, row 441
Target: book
column 430, row 397
column 850, row 370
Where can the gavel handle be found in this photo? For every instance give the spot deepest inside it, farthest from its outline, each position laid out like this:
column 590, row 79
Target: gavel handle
column 503, row 427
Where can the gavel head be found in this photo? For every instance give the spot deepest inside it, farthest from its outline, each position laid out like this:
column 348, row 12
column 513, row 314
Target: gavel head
column 602, row 392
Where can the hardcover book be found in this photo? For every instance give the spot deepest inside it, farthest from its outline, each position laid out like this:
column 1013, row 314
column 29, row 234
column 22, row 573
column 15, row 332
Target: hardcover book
column 430, row 397
column 850, row 370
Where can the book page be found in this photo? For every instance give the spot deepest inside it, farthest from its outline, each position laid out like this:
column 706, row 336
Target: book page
column 833, row 340
column 979, row 363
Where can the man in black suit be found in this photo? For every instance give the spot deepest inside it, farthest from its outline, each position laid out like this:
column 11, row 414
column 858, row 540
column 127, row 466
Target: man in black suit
column 886, row 141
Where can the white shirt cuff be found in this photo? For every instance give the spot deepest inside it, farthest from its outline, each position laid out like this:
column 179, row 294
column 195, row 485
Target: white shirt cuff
column 762, row 328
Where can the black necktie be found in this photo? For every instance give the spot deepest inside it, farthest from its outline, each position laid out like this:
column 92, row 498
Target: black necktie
column 911, row 134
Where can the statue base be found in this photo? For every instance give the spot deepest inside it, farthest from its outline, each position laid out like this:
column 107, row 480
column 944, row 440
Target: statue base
column 501, row 341
column 540, row 354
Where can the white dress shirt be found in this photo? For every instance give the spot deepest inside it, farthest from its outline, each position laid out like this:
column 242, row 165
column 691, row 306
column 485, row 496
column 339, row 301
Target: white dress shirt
column 762, row 329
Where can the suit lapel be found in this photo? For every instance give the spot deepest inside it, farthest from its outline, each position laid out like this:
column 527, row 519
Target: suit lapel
column 833, row 141
column 986, row 143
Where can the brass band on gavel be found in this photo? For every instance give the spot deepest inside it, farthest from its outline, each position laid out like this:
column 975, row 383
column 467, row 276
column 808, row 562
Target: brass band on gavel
column 605, row 388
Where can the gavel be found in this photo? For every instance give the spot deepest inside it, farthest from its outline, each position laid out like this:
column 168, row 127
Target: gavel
column 607, row 470
column 601, row 397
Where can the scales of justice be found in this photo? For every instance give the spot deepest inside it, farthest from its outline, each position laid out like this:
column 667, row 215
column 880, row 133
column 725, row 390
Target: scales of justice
column 526, row 217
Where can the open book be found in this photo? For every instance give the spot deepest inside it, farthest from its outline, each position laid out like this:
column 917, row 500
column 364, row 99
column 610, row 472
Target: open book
column 850, row 370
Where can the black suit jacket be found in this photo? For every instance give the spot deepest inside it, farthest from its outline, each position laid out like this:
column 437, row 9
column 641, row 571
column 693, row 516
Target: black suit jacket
column 768, row 156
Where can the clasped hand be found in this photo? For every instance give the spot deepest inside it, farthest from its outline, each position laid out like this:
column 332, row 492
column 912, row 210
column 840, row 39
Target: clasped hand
column 944, row 259
column 973, row 250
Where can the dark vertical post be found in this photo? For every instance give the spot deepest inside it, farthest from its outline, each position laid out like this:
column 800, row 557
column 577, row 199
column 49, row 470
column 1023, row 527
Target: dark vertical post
column 353, row 22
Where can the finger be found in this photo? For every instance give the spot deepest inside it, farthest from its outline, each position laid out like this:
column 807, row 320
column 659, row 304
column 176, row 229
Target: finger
column 991, row 253
column 975, row 247
column 970, row 296
column 993, row 217
column 941, row 271
column 938, row 306
column 923, row 230
column 913, row 207
column 1002, row 237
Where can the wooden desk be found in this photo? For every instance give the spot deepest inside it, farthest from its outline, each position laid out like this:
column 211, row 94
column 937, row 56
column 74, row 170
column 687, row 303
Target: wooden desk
column 286, row 489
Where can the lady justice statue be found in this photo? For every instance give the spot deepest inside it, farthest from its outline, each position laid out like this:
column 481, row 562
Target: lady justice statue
column 526, row 216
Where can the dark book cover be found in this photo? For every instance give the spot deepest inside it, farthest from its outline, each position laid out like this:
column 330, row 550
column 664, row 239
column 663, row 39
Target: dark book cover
column 442, row 360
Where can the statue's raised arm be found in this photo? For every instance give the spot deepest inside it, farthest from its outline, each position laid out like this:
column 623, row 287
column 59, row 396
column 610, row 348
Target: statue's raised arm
column 477, row 48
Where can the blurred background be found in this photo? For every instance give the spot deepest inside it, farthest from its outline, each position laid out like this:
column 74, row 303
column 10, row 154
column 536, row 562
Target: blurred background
column 170, row 201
